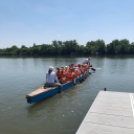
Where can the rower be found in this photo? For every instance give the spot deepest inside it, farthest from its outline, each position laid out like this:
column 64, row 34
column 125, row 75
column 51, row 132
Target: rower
column 71, row 76
column 63, row 78
column 71, row 66
column 51, row 78
column 84, row 67
column 81, row 69
column 66, row 69
column 76, row 71
column 61, row 73
column 87, row 66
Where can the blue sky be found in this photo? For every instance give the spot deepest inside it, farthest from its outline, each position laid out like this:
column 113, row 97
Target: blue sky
column 24, row 22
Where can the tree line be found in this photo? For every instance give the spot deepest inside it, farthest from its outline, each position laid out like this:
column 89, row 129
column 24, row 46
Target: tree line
column 72, row 47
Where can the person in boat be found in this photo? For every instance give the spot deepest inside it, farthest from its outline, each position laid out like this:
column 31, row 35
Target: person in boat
column 52, row 80
column 61, row 73
column 63, row 78
column 71, row 66
column 84, row 68
column 71, row 76
column 87, row 61
column 81, row 69
column 66, row 69
column 76, row 71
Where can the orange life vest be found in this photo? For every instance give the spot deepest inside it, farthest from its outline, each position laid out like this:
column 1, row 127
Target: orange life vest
column 59, row 74
column 86, row 67
column 70, row 76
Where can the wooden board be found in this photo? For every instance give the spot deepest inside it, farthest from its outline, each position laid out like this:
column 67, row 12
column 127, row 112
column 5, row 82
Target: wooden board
column 39, row 91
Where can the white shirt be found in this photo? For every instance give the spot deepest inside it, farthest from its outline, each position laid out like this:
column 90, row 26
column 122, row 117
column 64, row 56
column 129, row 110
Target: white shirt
column 50, row 78
column 86, row 61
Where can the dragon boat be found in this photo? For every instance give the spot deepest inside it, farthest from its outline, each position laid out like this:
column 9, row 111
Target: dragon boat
column 42, row 93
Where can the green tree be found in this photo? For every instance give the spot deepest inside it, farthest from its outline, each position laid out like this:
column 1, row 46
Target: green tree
column 124, row 46
column 131, row 50
column 23, row 50
column 100, row 46
column 111, row 48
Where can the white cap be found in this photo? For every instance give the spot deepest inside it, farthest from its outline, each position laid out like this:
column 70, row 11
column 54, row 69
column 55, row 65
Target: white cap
column 66, row 66
column 51, row 68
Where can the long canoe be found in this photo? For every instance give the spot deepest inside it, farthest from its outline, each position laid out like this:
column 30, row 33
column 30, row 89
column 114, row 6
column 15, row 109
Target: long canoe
column 42, row 93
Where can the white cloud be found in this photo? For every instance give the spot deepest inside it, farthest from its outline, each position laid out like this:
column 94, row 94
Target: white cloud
column 58, row 34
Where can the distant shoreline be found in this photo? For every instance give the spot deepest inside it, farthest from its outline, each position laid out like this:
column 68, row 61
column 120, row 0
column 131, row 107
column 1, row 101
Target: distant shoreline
column 67, row 48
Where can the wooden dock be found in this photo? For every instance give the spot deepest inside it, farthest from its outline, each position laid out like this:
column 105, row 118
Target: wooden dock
column 110, row 113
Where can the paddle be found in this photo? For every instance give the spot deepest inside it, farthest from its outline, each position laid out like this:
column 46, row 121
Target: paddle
column 93, row 69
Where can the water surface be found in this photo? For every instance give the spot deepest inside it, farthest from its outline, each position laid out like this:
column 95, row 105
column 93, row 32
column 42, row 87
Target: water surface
column 62, row 113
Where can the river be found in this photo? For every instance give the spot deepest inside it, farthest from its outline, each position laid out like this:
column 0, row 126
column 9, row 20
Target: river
column 61, row 113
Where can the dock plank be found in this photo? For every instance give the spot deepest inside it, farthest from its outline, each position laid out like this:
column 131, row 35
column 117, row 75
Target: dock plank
column 110, row 113
column 90, row 128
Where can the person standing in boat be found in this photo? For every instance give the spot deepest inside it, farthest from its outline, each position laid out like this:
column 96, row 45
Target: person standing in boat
column 51, row 77
column 87, row 61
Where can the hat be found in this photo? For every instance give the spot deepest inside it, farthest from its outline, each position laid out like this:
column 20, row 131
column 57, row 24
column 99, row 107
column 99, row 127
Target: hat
column 51, row 68
column 66, row 66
